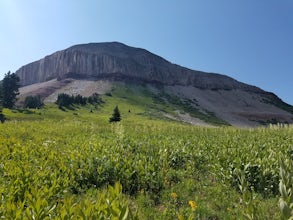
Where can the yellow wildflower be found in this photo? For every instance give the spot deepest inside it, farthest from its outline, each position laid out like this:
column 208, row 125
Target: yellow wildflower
column 174, row 195
column 193, row 205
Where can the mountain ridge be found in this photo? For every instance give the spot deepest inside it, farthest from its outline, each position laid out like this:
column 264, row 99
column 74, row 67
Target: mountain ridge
column 99, row 59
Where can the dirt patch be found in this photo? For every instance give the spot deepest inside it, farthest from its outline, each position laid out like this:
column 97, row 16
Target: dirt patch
column 49, row 90
column 83, row 87
column 41, row 89
column 238, row 107
column 185, row 117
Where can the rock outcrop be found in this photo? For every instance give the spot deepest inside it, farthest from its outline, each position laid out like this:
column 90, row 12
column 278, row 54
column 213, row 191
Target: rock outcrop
column 116, row 60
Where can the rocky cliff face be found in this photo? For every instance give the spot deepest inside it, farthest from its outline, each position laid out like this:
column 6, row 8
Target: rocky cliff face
column 116, row 60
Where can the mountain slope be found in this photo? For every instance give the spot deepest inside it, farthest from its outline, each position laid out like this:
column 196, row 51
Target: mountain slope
column 192, row 93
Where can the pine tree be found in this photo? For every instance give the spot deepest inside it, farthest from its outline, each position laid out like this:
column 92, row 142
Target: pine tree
column 33, row 102
column 116, row 115
column 2, row 118
column 10, row 89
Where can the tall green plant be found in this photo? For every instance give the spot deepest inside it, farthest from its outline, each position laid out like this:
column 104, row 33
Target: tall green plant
column 286, row 188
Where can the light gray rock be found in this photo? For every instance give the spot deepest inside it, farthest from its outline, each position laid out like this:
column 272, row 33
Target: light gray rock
column 116, row 60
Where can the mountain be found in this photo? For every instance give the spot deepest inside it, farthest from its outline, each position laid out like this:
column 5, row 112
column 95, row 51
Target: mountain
column 196, row 94
column 116, row 60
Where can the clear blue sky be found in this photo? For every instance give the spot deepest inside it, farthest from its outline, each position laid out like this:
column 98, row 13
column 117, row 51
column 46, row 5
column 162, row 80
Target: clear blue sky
column 249, row 40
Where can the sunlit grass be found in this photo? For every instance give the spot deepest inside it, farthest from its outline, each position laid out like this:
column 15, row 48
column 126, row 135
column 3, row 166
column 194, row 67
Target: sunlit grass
column 168, row 170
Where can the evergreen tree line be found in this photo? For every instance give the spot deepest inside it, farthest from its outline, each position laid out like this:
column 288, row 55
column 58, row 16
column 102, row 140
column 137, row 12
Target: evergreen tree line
column 33, row 102
column 65, row 100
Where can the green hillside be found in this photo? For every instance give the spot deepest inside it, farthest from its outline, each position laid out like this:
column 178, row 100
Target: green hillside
column 74, row 164
column 153, row 102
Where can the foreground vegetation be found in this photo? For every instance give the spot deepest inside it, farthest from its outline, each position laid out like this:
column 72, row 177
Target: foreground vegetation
column 74, row 164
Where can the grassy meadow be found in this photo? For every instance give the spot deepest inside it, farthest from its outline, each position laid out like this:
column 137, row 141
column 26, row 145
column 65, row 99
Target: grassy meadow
column 74, row 164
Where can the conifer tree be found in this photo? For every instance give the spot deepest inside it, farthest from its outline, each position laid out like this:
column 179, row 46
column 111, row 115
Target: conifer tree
column 116, row 115
column 33, row 102
column 2, row 118
column 10, row 85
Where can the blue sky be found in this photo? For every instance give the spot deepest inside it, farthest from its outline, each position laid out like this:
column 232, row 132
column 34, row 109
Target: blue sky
column 249, row 40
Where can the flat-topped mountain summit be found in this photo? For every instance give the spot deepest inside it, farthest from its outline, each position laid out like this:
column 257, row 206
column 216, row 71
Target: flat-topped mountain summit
column 116, row 60
column 208, row 93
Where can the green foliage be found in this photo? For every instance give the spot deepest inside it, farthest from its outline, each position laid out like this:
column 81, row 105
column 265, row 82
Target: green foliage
column 116, row 115
column 155, row 104
column 65, row 100
column 59, row 166
column 286, row 187
column 10, row 89
column 94, row 99
column 33, row 102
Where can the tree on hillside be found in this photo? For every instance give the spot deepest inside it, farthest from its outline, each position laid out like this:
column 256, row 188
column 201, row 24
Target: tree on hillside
column 1, row 113
column 33, row 102
column 10, row 85
column 116, row 115
column 64, row 100
column 2, row 118
column 78, row 99
column 94, row 99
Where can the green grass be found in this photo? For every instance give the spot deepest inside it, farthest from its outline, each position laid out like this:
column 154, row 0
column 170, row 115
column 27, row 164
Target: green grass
column 61, row 164
column 141, row 101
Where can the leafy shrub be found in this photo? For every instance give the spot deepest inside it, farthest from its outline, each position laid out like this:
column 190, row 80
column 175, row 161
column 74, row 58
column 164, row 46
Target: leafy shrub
column 257, row 180
column 286, row 188
column 66, row 169
column 94, row 173
column 177, row 159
